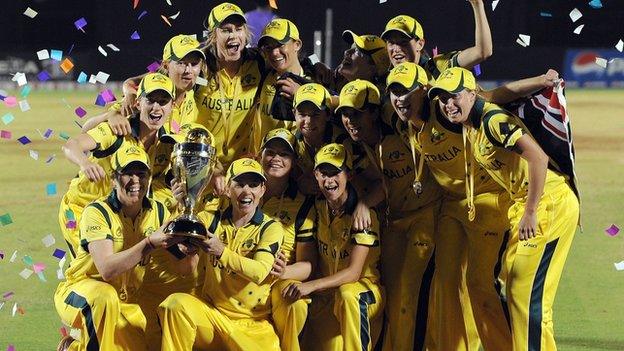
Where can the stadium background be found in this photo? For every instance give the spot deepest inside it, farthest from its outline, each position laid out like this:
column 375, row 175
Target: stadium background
column 589, row 311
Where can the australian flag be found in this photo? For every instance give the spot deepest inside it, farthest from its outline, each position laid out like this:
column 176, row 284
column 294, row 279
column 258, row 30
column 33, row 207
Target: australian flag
column 545, row 115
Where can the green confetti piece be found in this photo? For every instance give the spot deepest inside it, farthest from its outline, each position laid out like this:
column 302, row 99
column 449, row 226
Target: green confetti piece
column 27, row 260
column 5, row 219
column 64, row 136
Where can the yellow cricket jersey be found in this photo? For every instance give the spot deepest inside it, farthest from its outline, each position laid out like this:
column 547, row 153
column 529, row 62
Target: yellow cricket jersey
column 82, row 191
column 104, row 220
column 236, row 283
column 394, row 159
column 306, row 153
column 494, row 135
column 181, row 114
column 225, row 108
column 336, row 239
column 296, row 213
column 434, row 66
column 442, row 145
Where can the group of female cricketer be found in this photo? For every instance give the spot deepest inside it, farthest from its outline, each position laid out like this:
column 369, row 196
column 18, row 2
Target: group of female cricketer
column 389, row 203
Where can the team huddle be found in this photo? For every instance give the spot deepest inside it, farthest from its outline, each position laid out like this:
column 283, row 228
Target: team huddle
column 389, row 203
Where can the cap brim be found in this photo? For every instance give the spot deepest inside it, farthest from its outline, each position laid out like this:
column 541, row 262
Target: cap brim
column 233, row 14
column 250, row 172
column 340, row 168
column 349, row 37
column 435, row 91
column 146, row 92
column 134, row 162
column 265, row 37
column 386, row 32
column 320, row 107
column 278, row 138
column 172, row 138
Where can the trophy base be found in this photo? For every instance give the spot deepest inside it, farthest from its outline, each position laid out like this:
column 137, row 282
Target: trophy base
column 189, row 228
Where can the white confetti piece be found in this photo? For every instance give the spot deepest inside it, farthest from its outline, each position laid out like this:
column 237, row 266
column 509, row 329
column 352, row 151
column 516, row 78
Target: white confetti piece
column 382, row 1
column 1, row 305
column 578, row 29
column 169, row 2
column 43, row 54
column 30, row 13
column 525, row 38
column 14, row 310
column 201, row 81
column 175, row 16
column 102, row 77
column 619, row 266
column 575, row 15
column 494, row 4
column 26, row 273
column 24, row 106
column 48, row 240
column 20, row 78
column 59, row 274
column 33, row 154
column 13, row 256
column 102, row 51
column 520, row 42
column 620, row 45
column 113, row 47
column 601, row 62
column 314, row 59
column 92, row 79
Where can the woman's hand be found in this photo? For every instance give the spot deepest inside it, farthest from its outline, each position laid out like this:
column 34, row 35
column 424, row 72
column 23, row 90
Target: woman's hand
column 296, row 291
column 92, row 171
column 120, row 125
column 178, row 190
column 128, row 104
column 361, row 217
column 528, row 225
column 287, row 87
column 218, row 184
column 279, row 266
column 160, row 239
column 212, row 245
column 551, row 78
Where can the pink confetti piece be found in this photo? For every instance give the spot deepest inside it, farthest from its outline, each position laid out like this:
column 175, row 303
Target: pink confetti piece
column 613, row 230
column 10, row 101
column 70, row 225
column 175, row 127
column 435, row 51
column 154, row 66
column 108, row 95
column 11, row 348
column 39, row 267
column 80, row 112
column 5, row 134
column 7, row 295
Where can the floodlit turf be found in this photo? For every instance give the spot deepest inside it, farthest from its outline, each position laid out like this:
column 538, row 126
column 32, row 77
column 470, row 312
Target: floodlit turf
column 589, row 310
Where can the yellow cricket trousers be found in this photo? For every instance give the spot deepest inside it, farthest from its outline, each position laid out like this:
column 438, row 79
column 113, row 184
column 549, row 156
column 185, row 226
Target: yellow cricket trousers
column 289, row 316
column 71, row 235
column 407, row 268
column 349, row 318
column 468, row 263
column 188, row 321
column 534, row 267
column 106, row 323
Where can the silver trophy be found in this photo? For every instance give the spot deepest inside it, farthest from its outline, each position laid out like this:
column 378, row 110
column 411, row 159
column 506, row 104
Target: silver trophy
column 193, row 163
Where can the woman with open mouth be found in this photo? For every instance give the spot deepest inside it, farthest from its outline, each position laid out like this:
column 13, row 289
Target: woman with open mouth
column 118, row 233
column 347, row 296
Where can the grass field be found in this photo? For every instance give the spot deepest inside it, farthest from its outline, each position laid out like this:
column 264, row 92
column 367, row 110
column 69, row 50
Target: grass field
column 589, row 310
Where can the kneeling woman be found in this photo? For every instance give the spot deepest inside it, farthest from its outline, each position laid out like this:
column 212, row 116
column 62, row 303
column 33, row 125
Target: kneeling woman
column 348, row 299
column 544, row 211
column 117, row 234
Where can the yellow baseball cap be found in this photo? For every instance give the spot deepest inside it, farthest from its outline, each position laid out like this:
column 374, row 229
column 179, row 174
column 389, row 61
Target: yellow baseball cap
column 128, row 154
column 280, row 133
column 180, row 46
column 221, row 12
column 334, row 154
column 409, row 75
column 358, row 94
column 156, row 81
column 371, row 45
column 406, row 25
column 279, row 29
column 314, row 93
column 244, row 166
column 453, row 80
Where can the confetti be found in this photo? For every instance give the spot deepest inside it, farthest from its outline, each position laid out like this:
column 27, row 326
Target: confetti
column 8, row 118
column 613, row 230
column 174, row 16
column 526, row 39
column 67, row 65
column 43, row 54
column 48, row 133
column 59, row 274
column 70, row 50
column 82, row 78
column 80, row 24
column 201, row 81
column 6, row 219
column 58, row 253
column 102, row 77
column 13, row 256
column 27, row 260
column 69, row 214
column 5, row 134
column 20, row 78
column 41, row 276
column 48, row 240
column 43, row 76
column 273, row 3
column 50, row 159
column 175, row 127
column 575, row 15
column 620, row 45
column 39, row 267
column 80, row 112
column 136, row 3
column 113, row 47
column 165, row 19
column 7, row 295
column 92, row 79
column 33, row 154
column 26, row 273
column 578, row 29
column 135, row 36
column 168, row 2
column 10, row 348
column 78, row 124
column 30, row 13
column 494, row 4
column 1, row 255
column 25, row 91
column 10, row 101
column 63, row 332
column 142, row 14
column 24, row 106
column 154, row 66
column 23, row 140
column 595, row 4
column 545, row 14
column 102, row 51
column 601, row 62
column 70, row 224
column 477, row 70
column 14, row 308
column 56, row 55
column 619, row 266
column 64, row 136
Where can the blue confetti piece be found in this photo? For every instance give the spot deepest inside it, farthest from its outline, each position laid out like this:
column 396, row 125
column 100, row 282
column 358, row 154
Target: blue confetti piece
column 80, row 23
column 56, row 55
column 48, row 133
column 51, row 189
column 82, row 78
column 142, row 14
column 545, row 14
column 100, row 101
column 25, row 91
column 595, row 4
column 24, row 140
column 58, row 253
column 43, row 76
column 477, row 70
column 8, row 118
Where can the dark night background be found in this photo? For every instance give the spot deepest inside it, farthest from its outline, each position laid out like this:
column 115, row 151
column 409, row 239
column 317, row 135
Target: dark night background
column 447, row 25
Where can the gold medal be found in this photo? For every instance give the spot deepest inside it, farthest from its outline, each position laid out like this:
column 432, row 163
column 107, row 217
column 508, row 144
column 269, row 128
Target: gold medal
column 417, row 187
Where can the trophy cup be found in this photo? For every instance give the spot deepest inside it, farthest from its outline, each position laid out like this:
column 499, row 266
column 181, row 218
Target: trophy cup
column 193, row 163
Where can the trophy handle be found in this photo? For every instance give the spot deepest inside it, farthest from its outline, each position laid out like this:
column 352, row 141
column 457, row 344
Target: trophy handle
column 179, row 173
